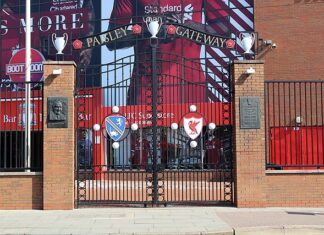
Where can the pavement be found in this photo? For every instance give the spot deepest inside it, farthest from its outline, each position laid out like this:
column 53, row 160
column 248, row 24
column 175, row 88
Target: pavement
column 166, row 221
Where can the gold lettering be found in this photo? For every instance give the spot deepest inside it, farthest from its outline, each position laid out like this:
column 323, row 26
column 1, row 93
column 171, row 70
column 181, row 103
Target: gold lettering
column 178, row 31
column 124, row 31
column 111, row 37
column 216, row 42
column 193, row 33
column 95, row 41
column 208, row 40
column 107, row 37
column 223, row 40
column 117, row 33
column 181, row 31
column 103, row 38
column 89, row 41
column 186, row 32
column 198, row 38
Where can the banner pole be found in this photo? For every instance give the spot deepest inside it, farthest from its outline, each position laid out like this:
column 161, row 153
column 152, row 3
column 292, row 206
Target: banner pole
column 27, row 89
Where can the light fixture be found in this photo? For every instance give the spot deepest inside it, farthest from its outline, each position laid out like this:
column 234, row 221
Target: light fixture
column 96, row 127
column 57, row 71
column 299, row 120
column 115, row 145
column 193, row 144
column 193, row 108
column 211, row 126
column 115, row 109
column 134, row 127
column 250, row 71
column 174, row 126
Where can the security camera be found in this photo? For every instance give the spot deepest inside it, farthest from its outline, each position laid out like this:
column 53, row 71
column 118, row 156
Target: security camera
column 274, row 45
column 267, row 42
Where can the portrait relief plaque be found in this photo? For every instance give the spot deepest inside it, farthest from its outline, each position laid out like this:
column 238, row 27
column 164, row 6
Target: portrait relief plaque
column 57, row 112
column 249, row 112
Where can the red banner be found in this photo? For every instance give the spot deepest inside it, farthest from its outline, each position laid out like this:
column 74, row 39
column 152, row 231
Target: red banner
column 91, row 111
column 13, row 115
column 296, row 147
column 218, row 113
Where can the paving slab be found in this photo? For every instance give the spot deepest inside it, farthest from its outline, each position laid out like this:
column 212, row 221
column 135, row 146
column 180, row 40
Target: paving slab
column 274, row 221
column 166, row 221
column 262, row 217
column 284, row 230
column 175, row 220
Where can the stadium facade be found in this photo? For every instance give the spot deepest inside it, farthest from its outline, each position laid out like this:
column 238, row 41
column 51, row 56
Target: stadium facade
column 192, row 103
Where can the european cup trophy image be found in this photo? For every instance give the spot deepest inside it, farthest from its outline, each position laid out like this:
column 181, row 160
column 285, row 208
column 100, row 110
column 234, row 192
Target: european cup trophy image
column 247, row 41
column 59, row 42
column 153, row 24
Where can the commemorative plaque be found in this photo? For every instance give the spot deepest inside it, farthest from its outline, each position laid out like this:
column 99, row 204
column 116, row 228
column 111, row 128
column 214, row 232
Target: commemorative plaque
column 249, row 112
column 57, row 110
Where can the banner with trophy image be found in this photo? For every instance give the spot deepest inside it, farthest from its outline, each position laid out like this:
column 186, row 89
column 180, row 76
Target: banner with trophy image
column 205, row 31
column 54, row 25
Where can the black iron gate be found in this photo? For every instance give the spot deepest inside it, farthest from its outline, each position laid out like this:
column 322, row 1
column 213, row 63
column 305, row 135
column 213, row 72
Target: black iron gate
column 158, row 162
column 154, row 161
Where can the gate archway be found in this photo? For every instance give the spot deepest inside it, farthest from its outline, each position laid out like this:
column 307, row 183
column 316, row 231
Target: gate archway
column 156, row 163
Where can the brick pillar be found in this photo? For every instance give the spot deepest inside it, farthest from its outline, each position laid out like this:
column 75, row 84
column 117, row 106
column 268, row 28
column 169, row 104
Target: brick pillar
column 249, row 144
column 59, row 143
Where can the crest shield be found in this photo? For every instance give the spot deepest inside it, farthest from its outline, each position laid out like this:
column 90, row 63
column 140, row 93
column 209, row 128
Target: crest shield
column 193, row 124
column 115, row 126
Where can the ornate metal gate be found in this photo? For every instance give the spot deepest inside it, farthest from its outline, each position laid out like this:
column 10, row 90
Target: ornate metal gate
column 154, row 160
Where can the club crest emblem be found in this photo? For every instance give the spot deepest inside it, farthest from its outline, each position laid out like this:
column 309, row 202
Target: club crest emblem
column 193, row 124
column 115, row 126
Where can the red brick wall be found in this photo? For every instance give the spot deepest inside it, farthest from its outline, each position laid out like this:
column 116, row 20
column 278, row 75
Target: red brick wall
column 25, row 190
column 21, row 191
column 296, row 26
column 254, row 186
column 249, row 144
column 59, row 144
column 295, row 189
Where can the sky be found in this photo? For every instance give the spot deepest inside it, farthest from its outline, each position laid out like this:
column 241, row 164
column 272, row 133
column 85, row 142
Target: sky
column 106, row 55
column 110, row 56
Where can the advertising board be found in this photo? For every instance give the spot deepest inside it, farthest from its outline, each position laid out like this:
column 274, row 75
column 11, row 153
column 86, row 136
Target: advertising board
column 74, row 18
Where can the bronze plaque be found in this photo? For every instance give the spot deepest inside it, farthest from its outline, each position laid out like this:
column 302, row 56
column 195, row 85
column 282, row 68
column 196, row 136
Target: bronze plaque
column 57, row 112
column 249, row 112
